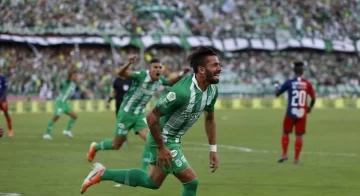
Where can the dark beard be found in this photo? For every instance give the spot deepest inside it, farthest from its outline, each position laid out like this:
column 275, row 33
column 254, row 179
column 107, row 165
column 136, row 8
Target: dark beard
column 209, row 77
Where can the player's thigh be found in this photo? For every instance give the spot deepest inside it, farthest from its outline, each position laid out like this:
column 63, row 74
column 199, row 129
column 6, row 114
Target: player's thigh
column 140, row 124
column 300, row 126
column 125, row 122
column 157, row 175
column 67, row 108
column 58, row 108
column 178, row 162
column 288, row 124
column 4, row 106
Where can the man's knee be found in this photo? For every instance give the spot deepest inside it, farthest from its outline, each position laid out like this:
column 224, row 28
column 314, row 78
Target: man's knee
column 117, row 143
column 192, row 186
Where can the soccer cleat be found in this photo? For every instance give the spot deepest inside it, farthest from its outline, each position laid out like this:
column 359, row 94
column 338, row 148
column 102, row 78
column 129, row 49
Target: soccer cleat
column 282, row 159
column 92, row 152
column 10, row 133
column 47, row 137
column 117, row 185
column 93, row 177
column 68, row 134
column 296, row 162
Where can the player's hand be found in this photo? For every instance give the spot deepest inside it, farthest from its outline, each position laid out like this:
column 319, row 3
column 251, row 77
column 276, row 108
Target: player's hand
column 186, row 70
column 214, row 162
column 164, row 157
column 132, row 58
column 309, row 110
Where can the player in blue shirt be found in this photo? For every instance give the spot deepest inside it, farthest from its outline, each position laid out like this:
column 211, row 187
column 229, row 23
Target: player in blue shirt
column 4, row 104
column 298, row 89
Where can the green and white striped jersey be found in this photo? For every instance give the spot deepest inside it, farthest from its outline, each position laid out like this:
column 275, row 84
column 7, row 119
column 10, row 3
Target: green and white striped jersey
column 182, row 105
column 141, row 91
column 67, row 90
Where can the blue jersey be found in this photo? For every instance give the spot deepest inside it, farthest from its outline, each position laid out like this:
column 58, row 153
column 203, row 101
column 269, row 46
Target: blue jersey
column 3, row 87
column 298, row 90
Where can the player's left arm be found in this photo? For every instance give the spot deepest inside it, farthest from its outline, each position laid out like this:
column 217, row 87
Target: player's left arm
column 281, row 89
column 173, row 80
column 210, row 128
column 311, row 92
column 5, row 86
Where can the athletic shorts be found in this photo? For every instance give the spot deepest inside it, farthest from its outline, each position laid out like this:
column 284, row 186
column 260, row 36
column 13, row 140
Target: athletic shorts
column 298, row 123
column 4, row 106
column 178, row 162
column 127, row 121
column 62, row 107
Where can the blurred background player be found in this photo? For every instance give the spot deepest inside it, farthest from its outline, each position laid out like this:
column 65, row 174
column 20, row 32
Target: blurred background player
column 132, row 110
column 4, row 103
column 119, row 87
column 62, row 106
column 298, row 90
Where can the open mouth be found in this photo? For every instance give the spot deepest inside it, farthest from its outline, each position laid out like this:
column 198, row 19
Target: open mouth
column 157, row 74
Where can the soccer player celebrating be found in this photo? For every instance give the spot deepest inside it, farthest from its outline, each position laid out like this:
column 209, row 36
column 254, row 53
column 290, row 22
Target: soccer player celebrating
column 4, row 104
column 175, row 112
column 298, row 90
column 62, row 106
column 132, row 110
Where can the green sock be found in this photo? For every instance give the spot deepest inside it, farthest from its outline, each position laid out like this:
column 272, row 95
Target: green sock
column 190, row 188
column 130, row 177
column 70, row 124
column 145, row 159
column 104, row 145
column 49, row 127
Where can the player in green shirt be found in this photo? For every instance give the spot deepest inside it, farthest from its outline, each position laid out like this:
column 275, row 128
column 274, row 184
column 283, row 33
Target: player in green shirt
column 131, row 114
column 175, row 112
column 62, row 106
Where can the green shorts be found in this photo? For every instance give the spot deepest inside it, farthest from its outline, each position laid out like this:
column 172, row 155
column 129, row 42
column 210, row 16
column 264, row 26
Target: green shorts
column 178, row 162
column 127, row 121
column 62, row 107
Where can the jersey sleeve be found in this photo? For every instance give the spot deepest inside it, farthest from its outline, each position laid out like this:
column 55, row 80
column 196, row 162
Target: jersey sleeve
column 283, row 88
column 164, row 81
column 211, row 107
column 173, row 99
column 310, row 90
column 138, row 75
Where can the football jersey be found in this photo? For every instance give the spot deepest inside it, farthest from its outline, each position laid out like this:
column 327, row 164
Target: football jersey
column 67, row 90
column 182, row 105
column 3, row 87
column 121, row 86
column 298, row 90
column 141, row 91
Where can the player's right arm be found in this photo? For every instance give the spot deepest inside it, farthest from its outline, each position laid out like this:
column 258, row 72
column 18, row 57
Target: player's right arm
column 123, row 72
column 168, row 103
column 280, row 90
column 311, row 92
column 4, row 85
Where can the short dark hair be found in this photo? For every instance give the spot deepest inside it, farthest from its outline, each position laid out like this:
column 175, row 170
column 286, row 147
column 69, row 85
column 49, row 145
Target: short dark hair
column 298, row 64
column 154, row 61
column 198, row 56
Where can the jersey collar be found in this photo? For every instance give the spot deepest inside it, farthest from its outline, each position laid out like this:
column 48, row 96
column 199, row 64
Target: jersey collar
column 196, row 84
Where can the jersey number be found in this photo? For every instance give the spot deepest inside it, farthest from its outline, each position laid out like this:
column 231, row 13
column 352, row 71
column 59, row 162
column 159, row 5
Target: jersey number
column 298, row 98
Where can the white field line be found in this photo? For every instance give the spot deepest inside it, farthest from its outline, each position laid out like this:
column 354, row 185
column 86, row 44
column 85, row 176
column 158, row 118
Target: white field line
column 201, row 147
column 250, row 150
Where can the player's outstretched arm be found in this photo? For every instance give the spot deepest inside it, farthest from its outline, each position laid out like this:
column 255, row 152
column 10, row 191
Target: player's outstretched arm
column 280, row 89
column 175, row 79
column 210, row 127
column 123, row 72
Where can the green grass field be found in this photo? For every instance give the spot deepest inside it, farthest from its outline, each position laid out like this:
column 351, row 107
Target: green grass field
column 249, row 145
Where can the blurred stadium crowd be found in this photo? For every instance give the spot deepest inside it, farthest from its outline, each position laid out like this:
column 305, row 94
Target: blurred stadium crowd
column 224, row 18
column 250, row 73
